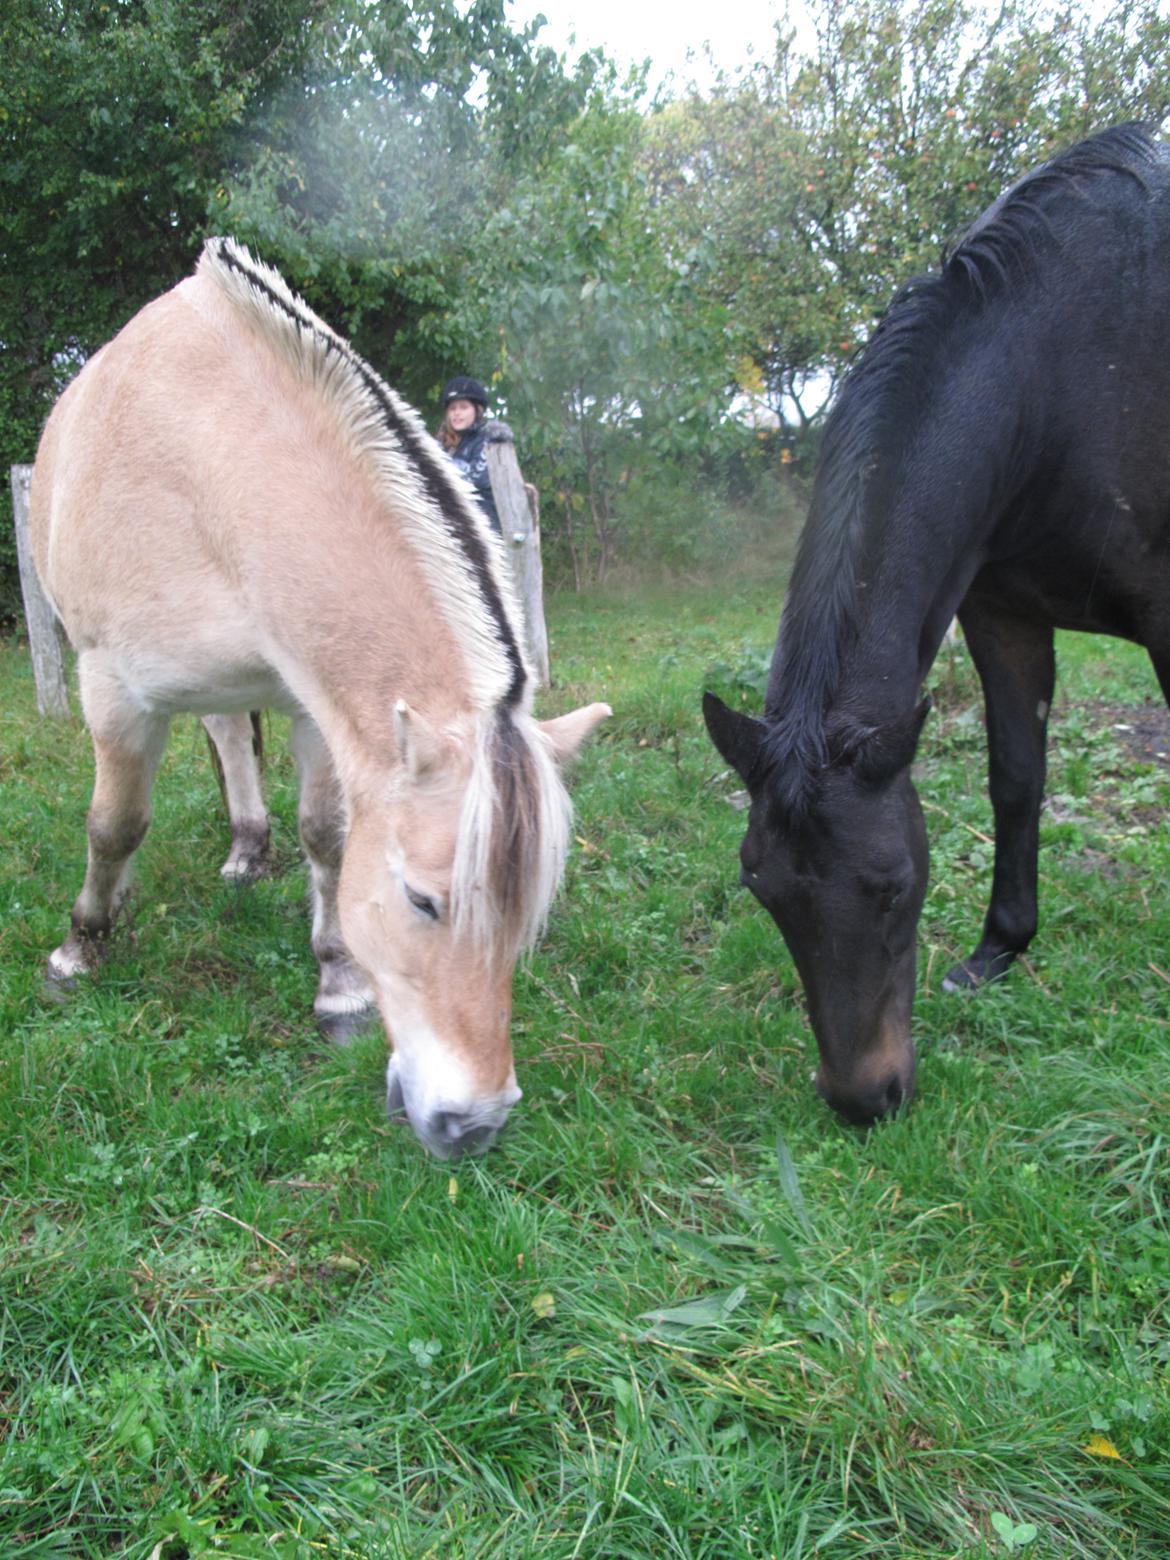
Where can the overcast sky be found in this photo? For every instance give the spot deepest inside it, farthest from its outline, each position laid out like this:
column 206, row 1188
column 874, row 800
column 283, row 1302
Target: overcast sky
column 631, row 30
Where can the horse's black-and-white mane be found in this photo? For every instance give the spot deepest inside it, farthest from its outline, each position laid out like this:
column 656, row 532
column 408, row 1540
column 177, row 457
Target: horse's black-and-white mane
column 438, row 514
column 868, row 427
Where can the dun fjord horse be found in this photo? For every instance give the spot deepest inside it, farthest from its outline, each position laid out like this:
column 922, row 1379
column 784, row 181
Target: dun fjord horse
column 231, row 510
column 1002, row 448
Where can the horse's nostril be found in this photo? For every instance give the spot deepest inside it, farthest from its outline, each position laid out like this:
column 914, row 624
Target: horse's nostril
column 448, row 1125
column 864, row 1105
column 453, row 1129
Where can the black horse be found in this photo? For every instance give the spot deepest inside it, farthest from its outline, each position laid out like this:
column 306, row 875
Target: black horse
column 1001, row 448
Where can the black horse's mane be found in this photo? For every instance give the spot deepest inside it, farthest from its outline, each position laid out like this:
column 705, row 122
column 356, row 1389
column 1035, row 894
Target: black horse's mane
column 867, row 430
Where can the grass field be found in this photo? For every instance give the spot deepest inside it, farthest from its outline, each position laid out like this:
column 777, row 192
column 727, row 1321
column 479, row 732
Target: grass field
column 679, row 1310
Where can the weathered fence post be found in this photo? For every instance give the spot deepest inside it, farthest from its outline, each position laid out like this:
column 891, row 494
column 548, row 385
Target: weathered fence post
column 519, row 512
column 44, row 637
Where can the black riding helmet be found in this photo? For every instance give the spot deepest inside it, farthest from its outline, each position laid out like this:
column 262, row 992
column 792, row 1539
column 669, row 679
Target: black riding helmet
column 461, row 388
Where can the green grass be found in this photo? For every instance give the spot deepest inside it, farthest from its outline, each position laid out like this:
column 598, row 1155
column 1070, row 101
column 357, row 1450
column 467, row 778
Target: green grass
column 679, row 1310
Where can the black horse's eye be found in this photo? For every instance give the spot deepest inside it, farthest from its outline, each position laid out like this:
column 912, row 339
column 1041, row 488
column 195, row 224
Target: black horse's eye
column 421, row 903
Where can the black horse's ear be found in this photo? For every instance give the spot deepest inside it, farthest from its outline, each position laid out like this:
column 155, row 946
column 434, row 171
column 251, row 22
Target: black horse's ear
column 738, row 737
column 890, row 748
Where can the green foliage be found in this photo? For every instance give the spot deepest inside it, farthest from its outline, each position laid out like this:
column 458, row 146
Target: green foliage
column 372, row 179
column 631, row 280
column 114, row 122
column 340, row 139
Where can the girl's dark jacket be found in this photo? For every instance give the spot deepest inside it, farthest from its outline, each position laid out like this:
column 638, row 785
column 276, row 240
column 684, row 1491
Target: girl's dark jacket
column 470, row 455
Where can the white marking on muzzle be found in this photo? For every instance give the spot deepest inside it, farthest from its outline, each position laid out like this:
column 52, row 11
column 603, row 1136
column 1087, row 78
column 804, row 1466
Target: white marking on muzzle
column 436, row 1091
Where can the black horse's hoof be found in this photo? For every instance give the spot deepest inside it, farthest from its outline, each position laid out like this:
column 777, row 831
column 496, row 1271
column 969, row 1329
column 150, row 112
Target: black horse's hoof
column 977, row 971
column 341, row 1028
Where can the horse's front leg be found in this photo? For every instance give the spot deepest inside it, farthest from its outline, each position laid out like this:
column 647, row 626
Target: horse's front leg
column 235, row 745
column 1160, row 657
column 1016, row 665
column 127, row 746
column 345, row 1000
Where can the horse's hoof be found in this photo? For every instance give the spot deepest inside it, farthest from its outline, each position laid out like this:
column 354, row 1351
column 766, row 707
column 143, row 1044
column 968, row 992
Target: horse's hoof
column 341, row 1028
column 248, row 858
column 978, row 971
column 962, row 980
column 242, row 874
column 76, row 959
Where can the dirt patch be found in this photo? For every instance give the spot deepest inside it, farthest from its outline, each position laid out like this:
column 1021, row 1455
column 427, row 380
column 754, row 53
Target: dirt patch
column 1143, row 730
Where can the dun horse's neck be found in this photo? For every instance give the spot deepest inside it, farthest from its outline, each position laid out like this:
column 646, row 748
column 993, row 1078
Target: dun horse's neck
column 377, row 577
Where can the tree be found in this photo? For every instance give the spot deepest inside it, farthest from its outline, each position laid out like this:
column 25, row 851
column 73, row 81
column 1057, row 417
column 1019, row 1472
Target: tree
column 114, row 120
column 370, row 183
column 359, row 145
column 610, row 355
column 827, row 180
column 729, row 177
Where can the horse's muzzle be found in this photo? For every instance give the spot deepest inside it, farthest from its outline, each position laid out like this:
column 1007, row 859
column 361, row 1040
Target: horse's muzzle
column 448, row 1132
column 862, row 1101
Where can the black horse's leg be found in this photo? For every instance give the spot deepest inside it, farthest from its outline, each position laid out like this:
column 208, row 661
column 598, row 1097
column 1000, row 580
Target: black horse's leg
column 1016, row 665
column 1160, row 656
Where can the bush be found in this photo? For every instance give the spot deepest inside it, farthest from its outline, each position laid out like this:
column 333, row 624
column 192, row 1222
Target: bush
column 678, row 522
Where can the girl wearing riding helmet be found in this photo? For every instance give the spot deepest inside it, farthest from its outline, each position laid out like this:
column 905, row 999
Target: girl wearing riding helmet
column 463, row 434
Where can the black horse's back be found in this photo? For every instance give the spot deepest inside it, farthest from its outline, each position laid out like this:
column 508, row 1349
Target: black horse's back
column 1001, row 449
column 1081, row 254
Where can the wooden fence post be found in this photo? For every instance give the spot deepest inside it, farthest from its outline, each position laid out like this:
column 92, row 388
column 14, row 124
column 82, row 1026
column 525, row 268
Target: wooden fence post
column 519, row 510
column 44, row 635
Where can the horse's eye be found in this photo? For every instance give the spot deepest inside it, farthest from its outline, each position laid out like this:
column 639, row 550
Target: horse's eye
column 421, row 903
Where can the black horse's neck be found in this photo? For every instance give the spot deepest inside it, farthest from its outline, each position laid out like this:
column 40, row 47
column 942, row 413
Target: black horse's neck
column 863, row 615
column 921, row 453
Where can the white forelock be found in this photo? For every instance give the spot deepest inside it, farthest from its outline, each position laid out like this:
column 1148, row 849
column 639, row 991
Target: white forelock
column 496, row 921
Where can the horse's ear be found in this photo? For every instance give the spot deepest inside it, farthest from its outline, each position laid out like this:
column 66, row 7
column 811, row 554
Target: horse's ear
column 737, row 736
column 567, row 732
column 420, row 749
column 889, row 749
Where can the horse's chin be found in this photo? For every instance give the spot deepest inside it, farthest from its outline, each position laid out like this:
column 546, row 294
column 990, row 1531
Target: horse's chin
column 871, row 1093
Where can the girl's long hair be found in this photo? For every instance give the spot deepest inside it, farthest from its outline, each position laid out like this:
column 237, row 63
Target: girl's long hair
column 449, row 437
